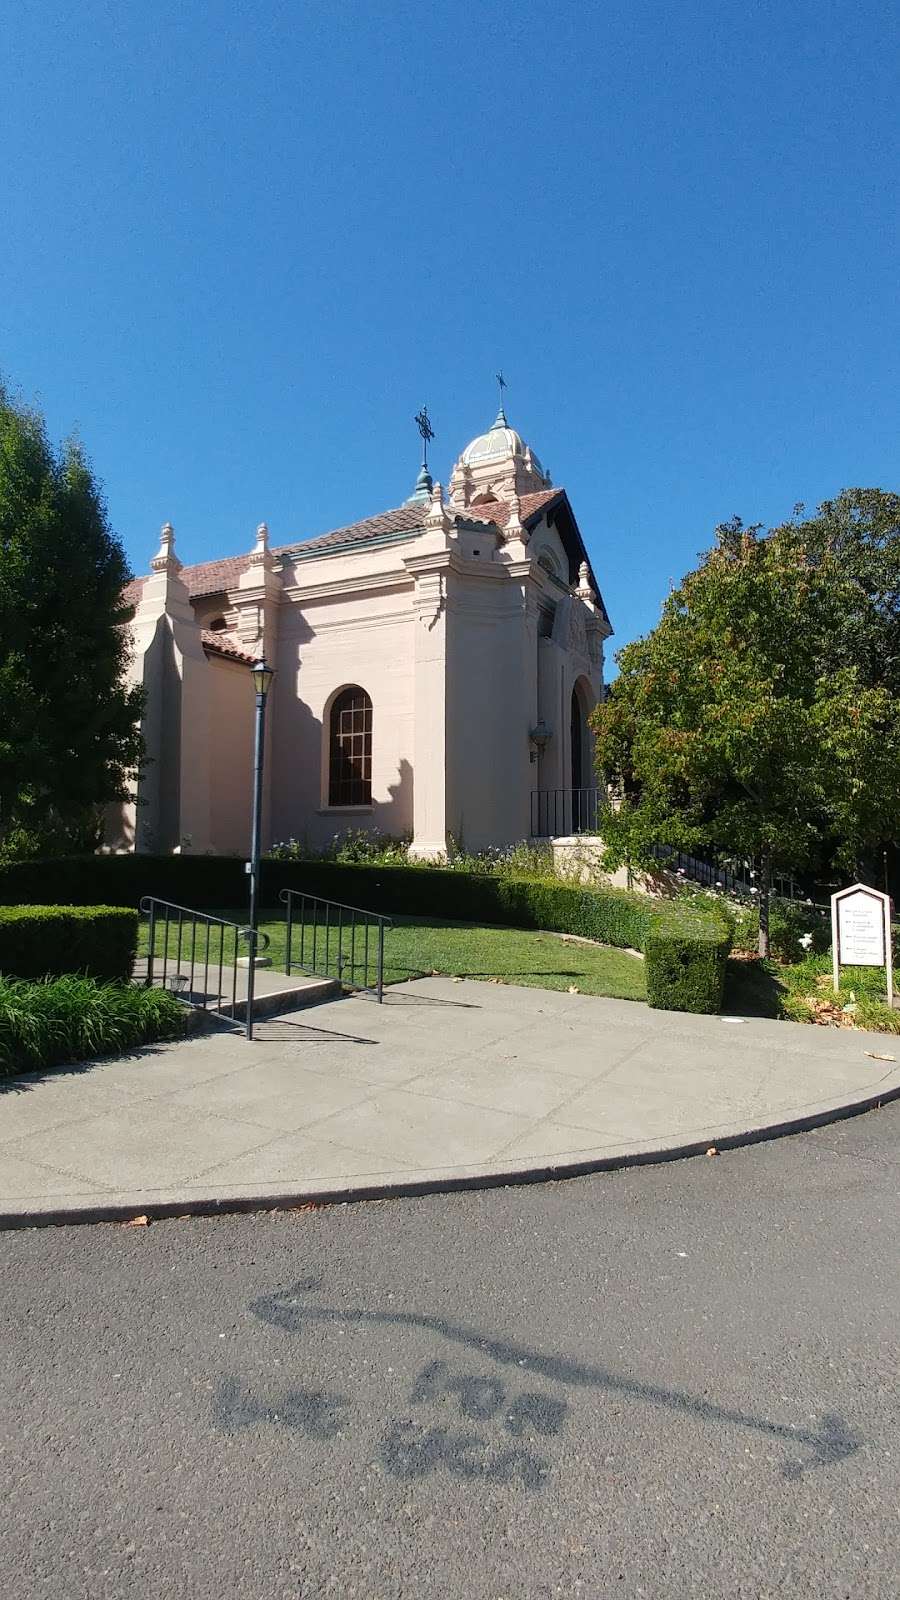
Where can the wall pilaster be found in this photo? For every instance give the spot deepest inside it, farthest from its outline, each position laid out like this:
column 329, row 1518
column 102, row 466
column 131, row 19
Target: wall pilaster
column 430, row 568
column 170, row 808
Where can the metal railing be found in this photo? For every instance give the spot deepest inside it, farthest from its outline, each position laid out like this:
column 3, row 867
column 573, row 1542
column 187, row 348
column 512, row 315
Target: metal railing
column 335, row 941
column 195, row 957
column 557, row 813
column 710, row 870
column 727, row 873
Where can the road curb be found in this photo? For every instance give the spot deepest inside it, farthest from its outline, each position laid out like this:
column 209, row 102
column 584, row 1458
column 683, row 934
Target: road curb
column 349, row 1194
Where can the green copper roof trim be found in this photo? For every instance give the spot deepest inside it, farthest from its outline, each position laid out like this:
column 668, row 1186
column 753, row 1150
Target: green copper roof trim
column 424, row 486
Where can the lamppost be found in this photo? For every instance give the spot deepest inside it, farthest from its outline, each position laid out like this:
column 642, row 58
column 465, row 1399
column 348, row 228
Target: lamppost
column 262, row 676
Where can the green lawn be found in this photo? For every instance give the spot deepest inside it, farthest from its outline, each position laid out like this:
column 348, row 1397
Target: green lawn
column 416, row 948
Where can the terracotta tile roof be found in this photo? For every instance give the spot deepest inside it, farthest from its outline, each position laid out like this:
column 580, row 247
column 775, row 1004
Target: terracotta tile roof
column 215, row 577
column 224, row 644
column 530, row 508
column 403, row 519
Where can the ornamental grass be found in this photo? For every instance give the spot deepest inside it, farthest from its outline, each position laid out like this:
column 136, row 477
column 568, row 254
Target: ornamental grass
column 59, row 1021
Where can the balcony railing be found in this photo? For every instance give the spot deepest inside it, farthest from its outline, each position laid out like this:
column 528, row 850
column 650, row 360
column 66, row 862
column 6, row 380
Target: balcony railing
column 558, row 813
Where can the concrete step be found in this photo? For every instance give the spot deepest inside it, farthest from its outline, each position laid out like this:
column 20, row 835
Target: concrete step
column 298, row 993
column 274, row 992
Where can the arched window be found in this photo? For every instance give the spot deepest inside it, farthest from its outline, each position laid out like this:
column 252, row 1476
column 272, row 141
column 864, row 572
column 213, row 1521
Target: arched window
column 350, row 749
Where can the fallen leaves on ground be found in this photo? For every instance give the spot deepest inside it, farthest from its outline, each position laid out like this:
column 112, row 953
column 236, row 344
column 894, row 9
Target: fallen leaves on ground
column 830, row 1013
column 137, row 1222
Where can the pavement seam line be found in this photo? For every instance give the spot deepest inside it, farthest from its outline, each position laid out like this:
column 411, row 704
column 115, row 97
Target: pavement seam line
column 552, row 1115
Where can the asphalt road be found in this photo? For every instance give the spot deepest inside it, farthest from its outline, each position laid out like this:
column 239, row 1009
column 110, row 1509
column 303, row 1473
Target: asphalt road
column 680, row 1380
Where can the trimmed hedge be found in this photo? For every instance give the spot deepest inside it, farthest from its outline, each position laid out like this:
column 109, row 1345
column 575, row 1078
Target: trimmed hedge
column 38, row 941
column 199, row 881
column 68, row 1019
column 685, row 946
column 685, row 958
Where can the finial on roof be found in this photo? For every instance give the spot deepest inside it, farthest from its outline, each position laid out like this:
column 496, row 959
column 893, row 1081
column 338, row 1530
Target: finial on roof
column 165, row 559
column 260, row 555
column 500, row 419
column 437, row 514
column 584, row 582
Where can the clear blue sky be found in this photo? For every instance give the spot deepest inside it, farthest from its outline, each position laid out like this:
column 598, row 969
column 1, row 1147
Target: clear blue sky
column 242, row 244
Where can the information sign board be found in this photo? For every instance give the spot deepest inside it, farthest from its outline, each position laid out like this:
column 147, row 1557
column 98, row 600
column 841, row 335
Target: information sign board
column 861, row 930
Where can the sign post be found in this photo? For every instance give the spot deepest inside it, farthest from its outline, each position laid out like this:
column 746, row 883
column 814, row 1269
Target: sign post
column 861, row 931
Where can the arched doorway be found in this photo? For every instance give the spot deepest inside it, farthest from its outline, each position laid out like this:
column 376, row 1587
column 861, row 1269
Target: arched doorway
column 576, row 741
column 580, row 760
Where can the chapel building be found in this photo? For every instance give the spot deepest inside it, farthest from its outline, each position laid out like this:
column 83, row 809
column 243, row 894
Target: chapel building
column 435, row 668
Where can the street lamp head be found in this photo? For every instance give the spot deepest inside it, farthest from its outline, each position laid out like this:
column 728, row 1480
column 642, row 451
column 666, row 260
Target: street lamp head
column 262, row 676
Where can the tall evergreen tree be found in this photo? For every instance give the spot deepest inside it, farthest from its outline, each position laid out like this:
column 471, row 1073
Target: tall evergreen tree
column 69, row 723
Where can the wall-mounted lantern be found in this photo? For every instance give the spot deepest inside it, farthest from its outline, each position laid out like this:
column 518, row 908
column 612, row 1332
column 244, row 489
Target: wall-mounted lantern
column 538, row 740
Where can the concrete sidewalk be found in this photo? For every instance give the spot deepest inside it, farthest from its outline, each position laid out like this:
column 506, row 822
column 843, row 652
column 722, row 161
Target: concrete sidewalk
column 448, row 1083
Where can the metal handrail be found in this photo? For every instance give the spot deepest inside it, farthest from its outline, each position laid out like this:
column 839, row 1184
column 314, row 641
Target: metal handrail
column 351, row 922
column 172, row 915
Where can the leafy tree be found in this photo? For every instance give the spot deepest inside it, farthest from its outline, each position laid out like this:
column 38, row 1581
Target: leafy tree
column 755, row 717
column 68, row 722
column 859, row 535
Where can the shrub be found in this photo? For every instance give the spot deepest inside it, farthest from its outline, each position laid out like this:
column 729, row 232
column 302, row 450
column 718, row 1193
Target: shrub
column 357, row 846
column 69, row 1019
column 353, row 845
column 39, row 941
column 686, row 959
column 198, row 881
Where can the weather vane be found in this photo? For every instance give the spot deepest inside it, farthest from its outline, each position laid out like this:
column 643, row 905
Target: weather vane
column 426, row 430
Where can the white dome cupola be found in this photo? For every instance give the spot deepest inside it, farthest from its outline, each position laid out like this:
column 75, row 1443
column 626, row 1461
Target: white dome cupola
column 496, row 466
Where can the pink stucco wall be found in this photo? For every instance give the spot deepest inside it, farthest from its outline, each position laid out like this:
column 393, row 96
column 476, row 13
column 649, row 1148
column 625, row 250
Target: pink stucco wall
column 230, row 701
column 323, row 646
column 462, row 641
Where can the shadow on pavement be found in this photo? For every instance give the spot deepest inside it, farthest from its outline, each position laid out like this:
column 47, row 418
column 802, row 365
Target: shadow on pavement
column 282, row 1030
